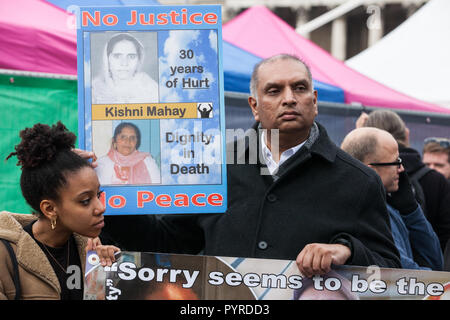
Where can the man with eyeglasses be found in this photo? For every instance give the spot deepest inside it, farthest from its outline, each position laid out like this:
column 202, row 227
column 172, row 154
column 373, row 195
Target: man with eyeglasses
column 431, row 188
column 414, row 236
column 436, row 155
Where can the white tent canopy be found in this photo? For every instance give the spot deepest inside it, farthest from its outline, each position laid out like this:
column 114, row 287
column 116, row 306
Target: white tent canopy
column 415, row 57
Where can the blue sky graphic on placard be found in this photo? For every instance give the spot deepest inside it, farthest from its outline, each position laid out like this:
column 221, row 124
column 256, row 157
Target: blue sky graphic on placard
column 175, row 155
column 203, row 46
column 195, row 53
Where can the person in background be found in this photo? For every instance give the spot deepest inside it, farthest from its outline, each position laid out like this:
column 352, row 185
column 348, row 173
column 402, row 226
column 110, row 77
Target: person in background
column 124, row 163
column 436, row 155
column 432, row 190
column 413, row 235
column 50, row 246
column 122, row 80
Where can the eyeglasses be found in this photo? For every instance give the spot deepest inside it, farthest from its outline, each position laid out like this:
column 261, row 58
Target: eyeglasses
column 443, row 142
column 397, row 163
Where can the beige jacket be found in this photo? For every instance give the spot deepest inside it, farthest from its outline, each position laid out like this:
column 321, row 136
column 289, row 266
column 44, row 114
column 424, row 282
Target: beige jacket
column 37, row 278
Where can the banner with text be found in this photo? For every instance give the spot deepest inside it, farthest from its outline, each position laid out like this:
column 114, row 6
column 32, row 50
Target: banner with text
column 155, row 276
column 151, row 106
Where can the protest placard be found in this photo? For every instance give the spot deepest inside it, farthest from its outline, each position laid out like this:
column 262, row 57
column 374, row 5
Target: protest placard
column 140, row 275
column 151, row 106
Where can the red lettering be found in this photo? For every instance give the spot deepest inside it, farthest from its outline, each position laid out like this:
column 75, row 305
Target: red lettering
column 215, row 199
column 162, row 18
column 133, row 18
column 195, row 199
column 173, row 17
column 210, row 18
column 181, row 200
column 112, row 202
column 184, row 16
column 85, row 16
column 110, row 20
column 103, row 198
column 151, row 18
column 163, row 200
column 143, row 197
column 192, row 18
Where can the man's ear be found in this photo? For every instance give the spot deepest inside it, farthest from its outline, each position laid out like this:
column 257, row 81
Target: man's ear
column 253, row 103
column 315, row 102
column 49, row 209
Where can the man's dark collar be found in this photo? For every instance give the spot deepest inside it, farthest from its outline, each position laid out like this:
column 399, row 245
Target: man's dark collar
column 317, row 143
column 323, row 146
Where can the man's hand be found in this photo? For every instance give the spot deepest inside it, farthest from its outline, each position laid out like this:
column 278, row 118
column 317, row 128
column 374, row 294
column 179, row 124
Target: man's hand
column 105, row 253
column 403, row 199
column 87, row 155
column 317, row 258
column 361, row 120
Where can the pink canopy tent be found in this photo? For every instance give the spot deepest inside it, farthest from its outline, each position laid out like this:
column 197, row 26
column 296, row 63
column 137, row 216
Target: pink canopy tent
column 39, row 36
column 260, row 32
column 36, row 36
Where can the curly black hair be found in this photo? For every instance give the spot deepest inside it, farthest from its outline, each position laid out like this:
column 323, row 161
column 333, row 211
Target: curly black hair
column 46, row 157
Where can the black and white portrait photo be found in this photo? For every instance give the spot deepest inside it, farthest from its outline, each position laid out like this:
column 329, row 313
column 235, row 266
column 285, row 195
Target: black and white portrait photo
column 124, row 67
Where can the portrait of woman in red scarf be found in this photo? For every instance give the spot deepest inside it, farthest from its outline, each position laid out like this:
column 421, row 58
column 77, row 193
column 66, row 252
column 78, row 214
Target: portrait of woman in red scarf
column 124, row 163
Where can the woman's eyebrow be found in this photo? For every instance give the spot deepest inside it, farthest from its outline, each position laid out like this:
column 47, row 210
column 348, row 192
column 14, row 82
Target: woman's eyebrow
column 82, row 194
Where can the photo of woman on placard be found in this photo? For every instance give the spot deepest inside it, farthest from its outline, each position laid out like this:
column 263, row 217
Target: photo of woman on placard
column 122, row 78
column 124, row 163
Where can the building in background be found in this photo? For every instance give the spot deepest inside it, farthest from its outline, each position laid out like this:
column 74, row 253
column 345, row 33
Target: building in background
column 352, row 26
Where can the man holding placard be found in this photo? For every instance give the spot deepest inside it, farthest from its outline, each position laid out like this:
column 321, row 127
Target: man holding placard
column 317, row 205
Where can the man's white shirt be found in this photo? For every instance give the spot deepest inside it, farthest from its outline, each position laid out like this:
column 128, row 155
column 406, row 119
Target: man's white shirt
column 272, row 166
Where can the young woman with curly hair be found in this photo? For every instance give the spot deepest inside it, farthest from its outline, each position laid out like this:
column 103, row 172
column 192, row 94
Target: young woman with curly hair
column 50, row 246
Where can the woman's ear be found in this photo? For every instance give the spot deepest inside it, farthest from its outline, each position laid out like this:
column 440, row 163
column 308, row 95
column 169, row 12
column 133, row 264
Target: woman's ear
column 49, row 209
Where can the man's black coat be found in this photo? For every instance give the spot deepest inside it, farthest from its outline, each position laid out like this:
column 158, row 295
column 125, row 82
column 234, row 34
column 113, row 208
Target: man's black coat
column 319, row 194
